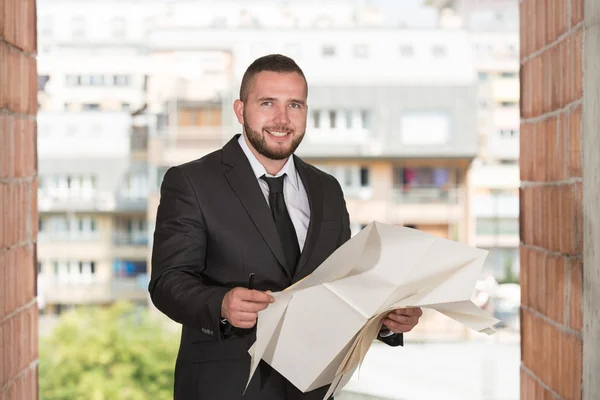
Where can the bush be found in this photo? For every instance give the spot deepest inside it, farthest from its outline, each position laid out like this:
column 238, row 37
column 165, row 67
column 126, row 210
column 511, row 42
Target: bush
column 118, row 352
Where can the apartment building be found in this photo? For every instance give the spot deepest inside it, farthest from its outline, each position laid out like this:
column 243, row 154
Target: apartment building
column 390, row 111
column 92, row 203
column 92, row 147
column 493, row 29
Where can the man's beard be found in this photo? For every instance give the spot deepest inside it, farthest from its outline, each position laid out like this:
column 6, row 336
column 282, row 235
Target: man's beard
column 258, row 141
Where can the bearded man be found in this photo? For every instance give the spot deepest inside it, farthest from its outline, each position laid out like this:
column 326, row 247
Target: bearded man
column 251, row 209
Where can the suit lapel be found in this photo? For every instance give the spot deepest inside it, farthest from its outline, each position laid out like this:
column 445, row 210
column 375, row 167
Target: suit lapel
column 244, row 183
column 315, row 201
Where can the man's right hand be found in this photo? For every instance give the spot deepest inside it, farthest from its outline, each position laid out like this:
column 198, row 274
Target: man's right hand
column 241, row 306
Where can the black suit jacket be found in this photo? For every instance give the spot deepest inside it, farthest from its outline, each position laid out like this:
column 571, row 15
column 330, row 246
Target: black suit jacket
column 213, row 228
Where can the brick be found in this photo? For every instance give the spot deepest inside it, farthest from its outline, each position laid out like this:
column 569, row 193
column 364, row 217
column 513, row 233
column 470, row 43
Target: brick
column 531, row 389
column 567, row 219
column 578, row 210
column 578, row 83
column 4, row 81
column 526, row 89
column 33, row 211
column 525, row 163
column 541, row 11
column 575, row 143
column 576, row 281
column 554, row 356
column 546, row 279
column 547, row 83
column 576, row 11
column 536, row 86
column 561, row 73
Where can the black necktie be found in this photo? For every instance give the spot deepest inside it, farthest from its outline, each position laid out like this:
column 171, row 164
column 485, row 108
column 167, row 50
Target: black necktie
column 284, row 224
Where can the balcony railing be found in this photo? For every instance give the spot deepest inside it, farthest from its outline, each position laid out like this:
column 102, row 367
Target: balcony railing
column 426, row 194
column 53, row 290
column 130, row 239
column 98, row 201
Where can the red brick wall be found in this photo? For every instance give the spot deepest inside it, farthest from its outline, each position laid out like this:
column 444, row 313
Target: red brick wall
column 18, row 200
column 551, row 199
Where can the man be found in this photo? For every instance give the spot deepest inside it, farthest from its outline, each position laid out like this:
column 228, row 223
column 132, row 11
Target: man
column 250, row 208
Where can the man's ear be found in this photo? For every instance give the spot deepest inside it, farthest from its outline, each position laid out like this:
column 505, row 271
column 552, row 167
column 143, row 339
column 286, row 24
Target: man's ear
column 238, row 108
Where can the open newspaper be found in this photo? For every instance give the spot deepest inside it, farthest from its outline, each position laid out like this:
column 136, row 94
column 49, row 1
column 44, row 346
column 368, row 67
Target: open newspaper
column 319, row 330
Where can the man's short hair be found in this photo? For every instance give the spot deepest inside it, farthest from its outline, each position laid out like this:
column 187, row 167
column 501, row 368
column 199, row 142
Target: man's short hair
column 271, row 62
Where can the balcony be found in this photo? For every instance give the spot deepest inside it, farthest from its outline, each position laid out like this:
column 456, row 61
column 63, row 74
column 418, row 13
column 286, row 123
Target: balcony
column 54, row 291
column 130, row 245
column 63, row 201
column 496, row 220
column 183, row 144
column 424, row 205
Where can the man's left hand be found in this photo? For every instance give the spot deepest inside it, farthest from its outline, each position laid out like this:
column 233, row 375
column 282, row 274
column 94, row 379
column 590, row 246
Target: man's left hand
column 402, row 320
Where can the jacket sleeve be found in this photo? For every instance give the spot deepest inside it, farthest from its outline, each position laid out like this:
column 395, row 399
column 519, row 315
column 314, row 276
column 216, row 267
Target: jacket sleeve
column 397, row 339
column 178, row 259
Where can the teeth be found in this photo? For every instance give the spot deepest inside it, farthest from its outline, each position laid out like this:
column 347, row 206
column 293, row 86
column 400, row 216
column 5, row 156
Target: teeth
column 278, row 134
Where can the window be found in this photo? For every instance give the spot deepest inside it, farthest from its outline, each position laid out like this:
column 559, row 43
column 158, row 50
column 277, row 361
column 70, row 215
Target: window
column 90, row 106
column 317, row 119
column 78, row 27
column 425, row 184
column 364, row 177
column 42, row 81
column 129, row 269
column 294, row 50
column 73, row 80
column 328, row 51
column 349, row 115
column 425, row 128
column 438, row 51
column 118, row 28
column 121, row 80
column 365, row 118
column 406, row 50
column 507, row 133
column 361, row 50
column 332, row 117
column 45, row 26
column 96, row 80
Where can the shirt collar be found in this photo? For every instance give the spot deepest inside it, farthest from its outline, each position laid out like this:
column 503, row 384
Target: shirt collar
column 259, row 170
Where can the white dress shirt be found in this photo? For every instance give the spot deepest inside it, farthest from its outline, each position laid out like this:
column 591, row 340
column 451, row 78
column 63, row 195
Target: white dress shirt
column 294, row 192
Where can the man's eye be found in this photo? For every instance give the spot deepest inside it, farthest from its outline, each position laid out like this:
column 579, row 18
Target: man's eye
column 267, row 103
column 295, row 105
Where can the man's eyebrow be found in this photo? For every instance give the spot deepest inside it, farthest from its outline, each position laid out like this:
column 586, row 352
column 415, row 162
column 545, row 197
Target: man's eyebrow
column 267, row 99
column 302, row 102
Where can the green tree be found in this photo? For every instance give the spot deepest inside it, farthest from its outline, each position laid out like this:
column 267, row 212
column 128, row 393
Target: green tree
column 117, row 352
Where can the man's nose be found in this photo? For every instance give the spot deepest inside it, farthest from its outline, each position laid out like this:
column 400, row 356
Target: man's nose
column 282, row 116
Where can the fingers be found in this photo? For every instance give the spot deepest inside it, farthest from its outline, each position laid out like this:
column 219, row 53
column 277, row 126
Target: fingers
column 254, row 295
column 402, row 319
column 241, row 306
column 410, row 311
column 397, row 327
column 244, row 320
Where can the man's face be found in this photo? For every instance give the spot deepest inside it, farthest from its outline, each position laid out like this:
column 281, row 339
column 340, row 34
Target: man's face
column 274, row 113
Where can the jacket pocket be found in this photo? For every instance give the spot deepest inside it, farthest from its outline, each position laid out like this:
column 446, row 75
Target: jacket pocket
column 228, row 349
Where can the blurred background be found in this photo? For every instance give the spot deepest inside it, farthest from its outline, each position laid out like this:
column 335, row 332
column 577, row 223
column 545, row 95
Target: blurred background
column 413, row 107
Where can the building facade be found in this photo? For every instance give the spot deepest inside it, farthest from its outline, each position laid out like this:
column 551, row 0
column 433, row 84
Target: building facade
column 92, row 201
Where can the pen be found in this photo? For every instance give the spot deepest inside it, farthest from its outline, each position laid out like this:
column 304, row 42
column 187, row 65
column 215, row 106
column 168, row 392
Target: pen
column 251, row 281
